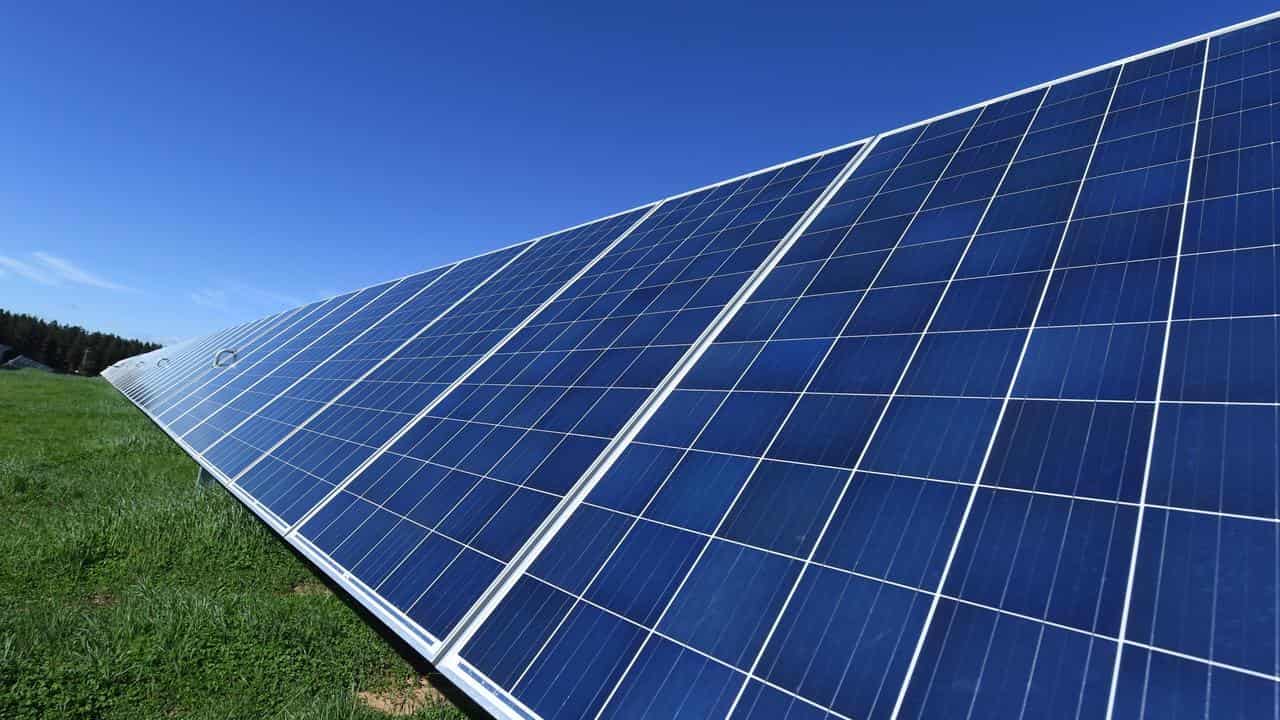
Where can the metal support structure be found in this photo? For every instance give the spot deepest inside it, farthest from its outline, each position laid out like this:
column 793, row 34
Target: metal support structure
column 204, row 479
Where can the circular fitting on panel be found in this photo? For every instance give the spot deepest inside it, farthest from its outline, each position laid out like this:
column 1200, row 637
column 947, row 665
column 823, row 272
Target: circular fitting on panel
column 163, row 363
column 225, row 357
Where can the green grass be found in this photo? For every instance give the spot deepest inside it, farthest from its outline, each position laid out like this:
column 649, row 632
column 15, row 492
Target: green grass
column 127, row 592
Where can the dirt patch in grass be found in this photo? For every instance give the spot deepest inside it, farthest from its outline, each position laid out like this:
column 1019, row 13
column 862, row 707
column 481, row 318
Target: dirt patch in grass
column 309, row 587
column 404, row 700
column 103, row 599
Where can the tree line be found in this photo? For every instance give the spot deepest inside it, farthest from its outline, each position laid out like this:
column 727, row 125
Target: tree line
column 66, row 348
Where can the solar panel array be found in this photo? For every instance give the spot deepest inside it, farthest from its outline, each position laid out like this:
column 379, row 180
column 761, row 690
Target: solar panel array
column 978, row 417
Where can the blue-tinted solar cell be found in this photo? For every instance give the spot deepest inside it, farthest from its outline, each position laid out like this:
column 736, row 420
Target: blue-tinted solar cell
column 1219, row 458
column 1206, row 586
column 1001, row 666
column 893, row 528
column 1078, row 448
column 670, row 681
column 1154, row 684
column 845, row 642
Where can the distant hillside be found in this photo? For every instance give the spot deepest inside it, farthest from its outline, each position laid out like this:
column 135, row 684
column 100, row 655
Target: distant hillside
column 65, row 348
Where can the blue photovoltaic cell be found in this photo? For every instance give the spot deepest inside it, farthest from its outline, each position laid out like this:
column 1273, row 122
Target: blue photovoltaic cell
column 477, row 474
column 997, row 435
column 1053, row 542
column 1206, row 578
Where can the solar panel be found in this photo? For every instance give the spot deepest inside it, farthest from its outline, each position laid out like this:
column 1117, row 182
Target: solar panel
column 978, row 416
column 433, row 521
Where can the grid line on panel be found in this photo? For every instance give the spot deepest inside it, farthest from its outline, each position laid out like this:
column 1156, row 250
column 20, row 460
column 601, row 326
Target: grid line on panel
column 358, row 303
column 920, row 478
column 837, row 714
column 1155, row 417
column 577, row 495
column 462, row 377
column 834, row 713
column 356, row 381
column 724, row 516
column 751, row 673
column 690, row 648
column 977, row 482
column 1117, row 529
column 904, row 476
column 1238, row 466
column 1243, row 25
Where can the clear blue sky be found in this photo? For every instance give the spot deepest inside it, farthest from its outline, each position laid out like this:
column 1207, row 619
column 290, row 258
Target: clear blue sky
column 172, row 170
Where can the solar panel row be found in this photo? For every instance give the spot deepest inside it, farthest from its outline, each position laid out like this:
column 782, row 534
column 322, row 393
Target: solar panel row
column 978, row 417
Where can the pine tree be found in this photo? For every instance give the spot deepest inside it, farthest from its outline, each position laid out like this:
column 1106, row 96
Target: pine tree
column 66, row 348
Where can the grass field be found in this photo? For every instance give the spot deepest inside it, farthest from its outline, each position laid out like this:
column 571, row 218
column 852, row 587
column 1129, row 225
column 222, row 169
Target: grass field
column 126, row 592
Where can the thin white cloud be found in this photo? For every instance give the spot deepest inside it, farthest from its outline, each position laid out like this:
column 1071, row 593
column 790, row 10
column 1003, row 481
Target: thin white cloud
column 232, row 296
column 66, row 270
column 212, row 299
column 31, row 272
column 268, row 298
